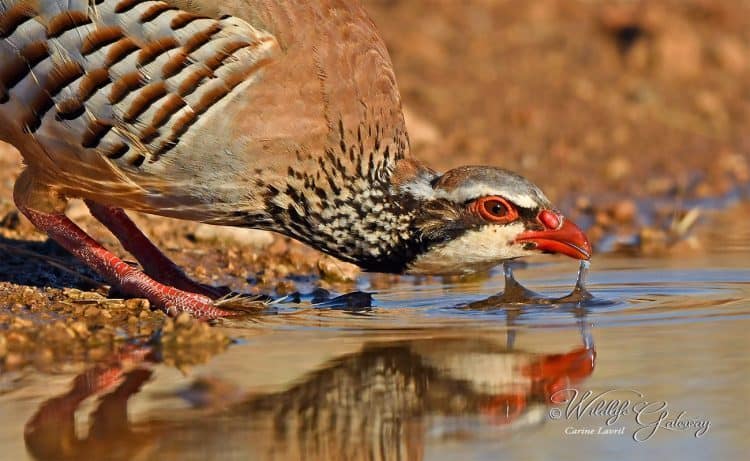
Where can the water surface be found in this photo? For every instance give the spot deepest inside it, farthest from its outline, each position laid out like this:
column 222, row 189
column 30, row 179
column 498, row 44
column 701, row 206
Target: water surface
column 432, row 370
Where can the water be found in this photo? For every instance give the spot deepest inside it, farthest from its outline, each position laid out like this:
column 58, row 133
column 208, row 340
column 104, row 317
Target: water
column 433, row 370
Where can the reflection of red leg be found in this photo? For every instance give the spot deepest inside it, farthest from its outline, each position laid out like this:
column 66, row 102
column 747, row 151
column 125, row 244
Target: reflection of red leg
column 110, row 419
column 130, row 280
column 154, row 262
column 51, row 434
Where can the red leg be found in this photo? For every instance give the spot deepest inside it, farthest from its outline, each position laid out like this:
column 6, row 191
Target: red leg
column 155, row 263
column 130, row 280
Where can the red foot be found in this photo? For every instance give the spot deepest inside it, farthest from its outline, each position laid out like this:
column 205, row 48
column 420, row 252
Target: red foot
column 155, row 263
column 130, row 280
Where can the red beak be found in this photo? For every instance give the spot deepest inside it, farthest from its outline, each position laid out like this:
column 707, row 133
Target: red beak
column 559, row 236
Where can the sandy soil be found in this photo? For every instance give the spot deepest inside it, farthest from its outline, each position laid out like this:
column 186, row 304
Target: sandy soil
column 631, row 115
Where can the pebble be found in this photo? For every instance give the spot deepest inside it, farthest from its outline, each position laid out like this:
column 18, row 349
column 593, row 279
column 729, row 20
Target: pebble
column 13, row 360
column 584, row 204
column 44, row 356
column 19, row 322
column 679, row 51
column 652, row 241
column 618, row 168
column 98, row 353
column 16, row 339
column 602, row 219
column 80, row 328
column 281, row 271
column 334, row 270
column 137, row 304
column 624, row 211
column 731, row 54
column 168, row 326
column 183, row 319
column 285, row 287
column 59, row 332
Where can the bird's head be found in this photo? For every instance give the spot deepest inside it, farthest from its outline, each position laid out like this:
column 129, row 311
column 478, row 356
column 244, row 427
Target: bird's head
column 473, row 218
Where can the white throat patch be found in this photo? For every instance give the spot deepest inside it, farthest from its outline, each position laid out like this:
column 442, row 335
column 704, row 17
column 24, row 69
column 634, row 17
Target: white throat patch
column 476, row 250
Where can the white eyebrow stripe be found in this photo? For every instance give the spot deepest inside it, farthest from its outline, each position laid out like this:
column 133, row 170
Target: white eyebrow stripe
column 465, row 194
column 422, row 189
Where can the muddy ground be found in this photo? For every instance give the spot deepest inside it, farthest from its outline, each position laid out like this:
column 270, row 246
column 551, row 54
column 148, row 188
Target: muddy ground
column 633, row 117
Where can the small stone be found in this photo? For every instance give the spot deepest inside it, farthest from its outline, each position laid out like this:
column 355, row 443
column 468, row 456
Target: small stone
column 59, row 332
column 72, row 293
column 285, row 287
column 44, row 356
column 98, row 353
column 11, row 221
column 16, row 339
column 91, row 296
column 183, row 319
column 731, row 54
column 337, row 271
column 583, row 203
column 602, row 219
column 679, row 51
column 653, row 241
column 618, row 168
column 19, row 322
column 660, row 185
column 624, row 211
column 282, row 270
column 13, row 360
column 91, row 311
column 137, row 303
column 80, row 328
column 735, row 165
column 3, row 346
column 710, row 103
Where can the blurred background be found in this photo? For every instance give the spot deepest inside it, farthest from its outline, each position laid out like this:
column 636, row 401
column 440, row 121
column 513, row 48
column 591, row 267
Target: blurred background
column 629, row 114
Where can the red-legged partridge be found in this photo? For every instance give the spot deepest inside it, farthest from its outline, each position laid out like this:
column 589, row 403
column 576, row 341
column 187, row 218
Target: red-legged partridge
column 278, row 115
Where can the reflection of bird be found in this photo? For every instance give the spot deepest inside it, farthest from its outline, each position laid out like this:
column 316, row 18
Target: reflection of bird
column 279, row 115
column 378, row 403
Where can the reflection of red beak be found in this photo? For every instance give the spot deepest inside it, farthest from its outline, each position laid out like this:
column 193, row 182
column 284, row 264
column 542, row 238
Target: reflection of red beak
column 559, row 236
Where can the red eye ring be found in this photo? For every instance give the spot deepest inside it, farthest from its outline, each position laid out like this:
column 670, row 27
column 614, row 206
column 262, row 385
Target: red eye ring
column 494, row 209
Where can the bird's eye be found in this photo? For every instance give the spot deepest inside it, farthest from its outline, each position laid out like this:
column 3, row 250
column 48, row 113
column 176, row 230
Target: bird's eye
column 495, row 209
